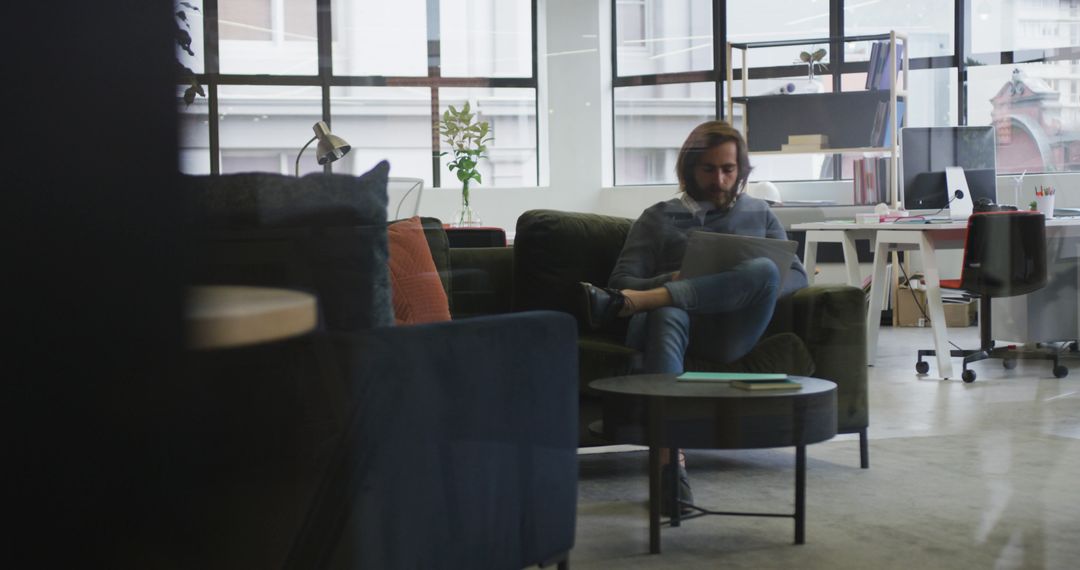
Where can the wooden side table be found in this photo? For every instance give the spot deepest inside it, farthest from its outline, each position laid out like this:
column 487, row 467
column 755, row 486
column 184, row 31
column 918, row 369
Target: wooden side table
column 226, row 316
column 661, row 412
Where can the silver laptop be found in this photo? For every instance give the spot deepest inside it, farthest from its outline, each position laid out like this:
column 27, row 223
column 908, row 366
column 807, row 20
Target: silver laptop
column 713, row 252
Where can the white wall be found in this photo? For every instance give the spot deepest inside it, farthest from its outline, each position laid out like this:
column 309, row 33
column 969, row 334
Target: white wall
column 575, row 104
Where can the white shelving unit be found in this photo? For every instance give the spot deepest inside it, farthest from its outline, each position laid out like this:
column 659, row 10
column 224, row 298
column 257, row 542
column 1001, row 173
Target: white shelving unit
column 840, row 115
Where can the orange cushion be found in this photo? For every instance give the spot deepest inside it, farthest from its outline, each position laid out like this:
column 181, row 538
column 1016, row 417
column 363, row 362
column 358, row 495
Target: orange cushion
column 417, row 291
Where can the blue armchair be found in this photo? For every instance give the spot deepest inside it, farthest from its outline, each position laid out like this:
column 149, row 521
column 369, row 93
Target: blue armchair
column 364, row 445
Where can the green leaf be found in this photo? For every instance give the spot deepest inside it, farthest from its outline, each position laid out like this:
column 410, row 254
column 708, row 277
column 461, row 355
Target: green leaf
column 466, row 136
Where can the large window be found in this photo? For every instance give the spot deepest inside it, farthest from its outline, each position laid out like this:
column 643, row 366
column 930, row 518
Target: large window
column 1014, row 65
column 664, row 83
column 379, row 73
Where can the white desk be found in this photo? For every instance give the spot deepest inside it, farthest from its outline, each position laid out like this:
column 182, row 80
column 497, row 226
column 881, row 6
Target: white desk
column 926, row 239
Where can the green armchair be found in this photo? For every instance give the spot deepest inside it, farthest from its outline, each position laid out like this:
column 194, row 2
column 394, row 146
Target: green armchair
column 817, row 331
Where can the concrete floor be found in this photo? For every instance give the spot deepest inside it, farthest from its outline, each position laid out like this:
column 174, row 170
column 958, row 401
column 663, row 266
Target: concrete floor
column 980, row 475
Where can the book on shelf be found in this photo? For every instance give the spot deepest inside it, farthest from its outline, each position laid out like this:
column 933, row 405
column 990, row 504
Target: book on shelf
column 729, row 376
column 871, row 180
column 801, row 147
column 773, row 385
column 871, row 62
column 877, row 73
column 816, row 139
column 885, row 81
column 889, row 124
column 864, row 181
column 882, row 128
column 879, row 122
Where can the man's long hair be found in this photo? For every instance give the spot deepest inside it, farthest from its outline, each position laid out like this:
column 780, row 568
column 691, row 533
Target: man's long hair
column 704, row 137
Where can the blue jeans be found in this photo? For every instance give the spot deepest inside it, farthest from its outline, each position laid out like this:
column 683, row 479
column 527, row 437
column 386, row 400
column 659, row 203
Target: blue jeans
column 731, row 308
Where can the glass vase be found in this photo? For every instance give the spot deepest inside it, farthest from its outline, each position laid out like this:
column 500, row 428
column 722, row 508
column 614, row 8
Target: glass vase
column 466, row 216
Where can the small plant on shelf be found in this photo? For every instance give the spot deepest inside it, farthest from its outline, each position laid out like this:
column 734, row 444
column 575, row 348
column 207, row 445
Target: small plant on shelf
column 812, row 59
column 467, row 138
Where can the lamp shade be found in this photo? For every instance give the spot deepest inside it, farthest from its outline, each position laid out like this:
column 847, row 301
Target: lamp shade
column 331, row 147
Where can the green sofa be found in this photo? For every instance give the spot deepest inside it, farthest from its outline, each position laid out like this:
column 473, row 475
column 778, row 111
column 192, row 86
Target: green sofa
column 817, row 331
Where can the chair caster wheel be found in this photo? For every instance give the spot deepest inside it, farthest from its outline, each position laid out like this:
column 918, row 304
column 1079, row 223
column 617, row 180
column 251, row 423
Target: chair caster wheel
column 922, row 367
column 968, row 376
column 1060, row 371
column 1009, row 363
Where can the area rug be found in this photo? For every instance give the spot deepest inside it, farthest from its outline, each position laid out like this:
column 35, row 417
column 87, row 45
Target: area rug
column 994, row 499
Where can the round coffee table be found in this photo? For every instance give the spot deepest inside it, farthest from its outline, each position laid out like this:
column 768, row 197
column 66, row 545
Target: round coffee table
column 660, row 412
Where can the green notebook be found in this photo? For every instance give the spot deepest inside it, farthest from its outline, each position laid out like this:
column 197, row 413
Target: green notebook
column 729, row 376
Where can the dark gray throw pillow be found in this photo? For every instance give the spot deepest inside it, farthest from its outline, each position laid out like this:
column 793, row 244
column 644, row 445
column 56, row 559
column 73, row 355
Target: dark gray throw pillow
column 321, row 234
column 265, row 200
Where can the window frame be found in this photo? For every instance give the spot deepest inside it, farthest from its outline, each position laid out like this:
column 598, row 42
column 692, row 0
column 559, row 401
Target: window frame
column 211, row 78
column 961, row 60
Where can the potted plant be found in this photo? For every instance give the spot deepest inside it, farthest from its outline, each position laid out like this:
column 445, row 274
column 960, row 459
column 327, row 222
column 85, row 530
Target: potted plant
column 467, row 138
column 812, row 59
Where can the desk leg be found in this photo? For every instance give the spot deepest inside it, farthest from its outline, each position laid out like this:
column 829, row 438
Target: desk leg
column 654, row 500
column 810, row 256
column 878, row 286
column 800, row 494
column 851, row 260
column 934, row 307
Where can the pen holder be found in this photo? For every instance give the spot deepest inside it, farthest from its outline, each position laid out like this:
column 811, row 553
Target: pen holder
column 1045, row 204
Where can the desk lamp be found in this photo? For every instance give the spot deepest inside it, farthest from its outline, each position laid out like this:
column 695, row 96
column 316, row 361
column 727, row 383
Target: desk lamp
column 331, row 147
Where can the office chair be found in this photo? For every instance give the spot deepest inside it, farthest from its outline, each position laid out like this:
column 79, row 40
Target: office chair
column 1004, row 256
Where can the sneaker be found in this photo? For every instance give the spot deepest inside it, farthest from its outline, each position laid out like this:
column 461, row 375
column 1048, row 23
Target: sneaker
column 685, row 495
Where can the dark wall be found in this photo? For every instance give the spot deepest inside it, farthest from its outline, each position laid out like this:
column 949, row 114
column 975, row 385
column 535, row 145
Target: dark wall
column 91, row 218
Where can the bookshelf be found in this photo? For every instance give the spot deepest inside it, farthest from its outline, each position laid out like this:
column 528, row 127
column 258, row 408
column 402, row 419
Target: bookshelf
column 855, row 122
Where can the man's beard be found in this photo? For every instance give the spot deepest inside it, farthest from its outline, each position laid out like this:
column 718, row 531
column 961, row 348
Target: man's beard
column 723, row 200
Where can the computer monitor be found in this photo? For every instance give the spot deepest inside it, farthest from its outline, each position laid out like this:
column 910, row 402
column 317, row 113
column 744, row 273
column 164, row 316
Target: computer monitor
column 930, row 152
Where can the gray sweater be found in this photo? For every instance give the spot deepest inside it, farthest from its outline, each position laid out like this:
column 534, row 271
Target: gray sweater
column 654, row 248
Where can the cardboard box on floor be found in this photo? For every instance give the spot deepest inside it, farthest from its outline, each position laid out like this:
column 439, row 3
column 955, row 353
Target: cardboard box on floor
column 908, row 314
